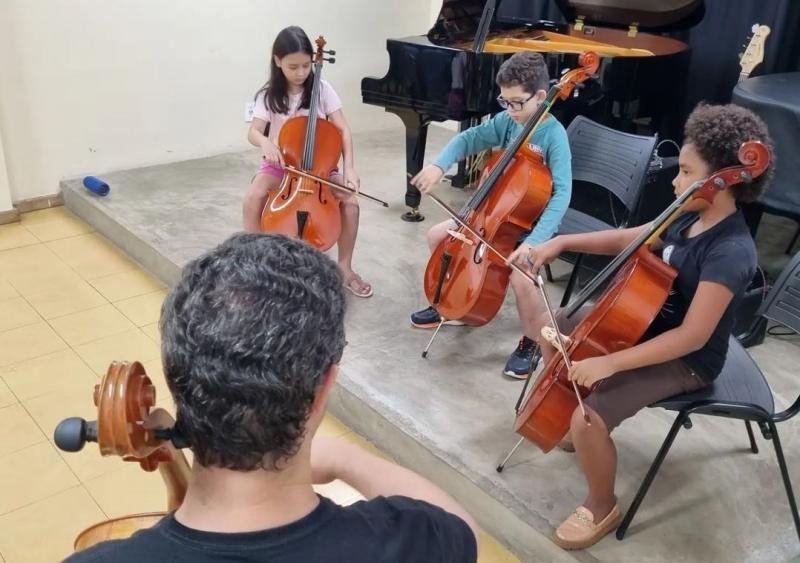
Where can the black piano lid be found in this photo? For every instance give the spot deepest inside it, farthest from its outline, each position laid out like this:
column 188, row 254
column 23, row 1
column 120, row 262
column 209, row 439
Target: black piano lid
column 652, row 15
column 459, row 19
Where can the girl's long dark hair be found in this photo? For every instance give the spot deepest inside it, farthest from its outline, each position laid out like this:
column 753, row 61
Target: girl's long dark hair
column 276, row 94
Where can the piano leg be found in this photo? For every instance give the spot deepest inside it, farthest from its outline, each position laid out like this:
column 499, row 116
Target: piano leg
column 416, row 138
column 465, row 176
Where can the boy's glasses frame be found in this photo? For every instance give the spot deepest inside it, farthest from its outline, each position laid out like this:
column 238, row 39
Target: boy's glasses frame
column 516, row 105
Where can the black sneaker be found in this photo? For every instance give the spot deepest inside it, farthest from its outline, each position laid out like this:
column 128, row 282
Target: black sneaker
column 523, row 360
column 430, row 318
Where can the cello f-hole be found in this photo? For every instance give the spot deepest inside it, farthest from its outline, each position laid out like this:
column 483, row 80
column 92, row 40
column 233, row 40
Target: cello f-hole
column 481, row 249
column 479, row 254
column 287, row 192
column 321, row 196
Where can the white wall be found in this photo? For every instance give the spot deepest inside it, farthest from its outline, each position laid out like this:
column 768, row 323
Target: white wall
column 88, row 86
column 5, row 187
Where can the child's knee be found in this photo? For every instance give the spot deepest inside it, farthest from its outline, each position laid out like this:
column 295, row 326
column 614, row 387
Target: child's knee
column 349, row 206
column 261, row 187
column 577, row 425
column 435, row 235
column 579, row 430
column 438, row 233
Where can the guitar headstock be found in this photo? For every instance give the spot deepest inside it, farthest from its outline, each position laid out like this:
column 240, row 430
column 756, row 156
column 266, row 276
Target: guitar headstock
column 754, row 53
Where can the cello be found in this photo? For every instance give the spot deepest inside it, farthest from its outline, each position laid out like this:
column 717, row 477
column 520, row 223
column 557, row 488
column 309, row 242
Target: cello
column 303, row 206
column 463, row 279
column 639, row 286
column 126, row 426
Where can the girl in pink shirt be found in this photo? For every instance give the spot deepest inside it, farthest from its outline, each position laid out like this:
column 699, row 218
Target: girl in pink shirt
column 286, row 95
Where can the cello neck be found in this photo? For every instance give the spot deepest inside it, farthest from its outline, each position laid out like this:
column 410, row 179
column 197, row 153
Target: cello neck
column 175, row 474
column 311, row 125
column 648, row 237
column 508, row 154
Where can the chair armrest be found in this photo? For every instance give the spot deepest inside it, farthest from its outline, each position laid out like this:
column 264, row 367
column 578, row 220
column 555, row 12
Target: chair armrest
column 788, row 413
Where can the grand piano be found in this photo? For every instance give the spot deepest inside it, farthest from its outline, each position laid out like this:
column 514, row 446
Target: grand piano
column 448, row 74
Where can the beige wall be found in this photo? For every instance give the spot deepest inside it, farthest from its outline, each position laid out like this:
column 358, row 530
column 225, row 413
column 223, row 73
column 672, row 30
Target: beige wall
column 88, row 86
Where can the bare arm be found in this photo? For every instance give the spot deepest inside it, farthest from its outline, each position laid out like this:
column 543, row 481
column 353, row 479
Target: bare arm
column 705, row 311
column 610, row 242
column 708, row 305
column 338, row 119
column 372, row 476
column 255, row 134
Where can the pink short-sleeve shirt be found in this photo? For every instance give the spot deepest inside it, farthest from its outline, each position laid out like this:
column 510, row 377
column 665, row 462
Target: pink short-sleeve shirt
column 329, row 103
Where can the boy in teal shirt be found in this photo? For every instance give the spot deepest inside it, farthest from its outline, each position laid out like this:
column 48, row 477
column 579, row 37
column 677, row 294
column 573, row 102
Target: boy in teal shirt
column 523, row 82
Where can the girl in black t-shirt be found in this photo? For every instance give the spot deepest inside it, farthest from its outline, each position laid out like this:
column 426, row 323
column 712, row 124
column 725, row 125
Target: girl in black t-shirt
column 715, row 258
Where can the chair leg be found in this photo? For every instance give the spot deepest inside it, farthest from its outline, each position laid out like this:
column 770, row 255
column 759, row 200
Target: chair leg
column 753, row 445
column 573, row 279
column 785, row 474
column 651, row 474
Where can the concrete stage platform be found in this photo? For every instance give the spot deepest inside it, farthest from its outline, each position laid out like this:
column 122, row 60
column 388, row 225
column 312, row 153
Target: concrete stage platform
column 450, row 416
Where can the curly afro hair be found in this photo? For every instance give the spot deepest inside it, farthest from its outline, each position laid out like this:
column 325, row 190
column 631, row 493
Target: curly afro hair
column 526, row 69
column 717, row 132
column 247, row 334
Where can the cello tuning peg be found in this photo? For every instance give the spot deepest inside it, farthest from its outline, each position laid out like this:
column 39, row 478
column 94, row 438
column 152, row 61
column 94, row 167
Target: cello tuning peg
column 72, row 434
column 331, row 52
column 331, row 60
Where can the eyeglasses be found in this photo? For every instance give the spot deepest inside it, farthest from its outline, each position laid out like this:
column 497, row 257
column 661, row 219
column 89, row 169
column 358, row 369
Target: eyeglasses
column 513, row 104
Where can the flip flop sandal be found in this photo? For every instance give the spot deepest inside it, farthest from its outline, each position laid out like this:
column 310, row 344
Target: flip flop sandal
column 357, row 291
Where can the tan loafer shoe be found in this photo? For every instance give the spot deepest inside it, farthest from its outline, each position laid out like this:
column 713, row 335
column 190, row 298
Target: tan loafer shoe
column 579, row 530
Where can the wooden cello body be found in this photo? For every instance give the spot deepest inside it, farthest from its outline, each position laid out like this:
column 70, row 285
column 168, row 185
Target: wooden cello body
column 126, row 427
column 474, row 280
column 464, row 280
column 639, row 286
column 303, row 207
column 617, row 321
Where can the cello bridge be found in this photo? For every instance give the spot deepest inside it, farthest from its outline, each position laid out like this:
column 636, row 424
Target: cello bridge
column 460, row 236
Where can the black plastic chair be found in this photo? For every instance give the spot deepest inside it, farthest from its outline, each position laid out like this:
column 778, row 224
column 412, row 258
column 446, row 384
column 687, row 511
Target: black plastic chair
column 739, row 392
column 609, row 169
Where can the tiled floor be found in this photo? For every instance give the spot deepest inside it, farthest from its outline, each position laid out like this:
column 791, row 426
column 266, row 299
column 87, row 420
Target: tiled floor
column 70, row 303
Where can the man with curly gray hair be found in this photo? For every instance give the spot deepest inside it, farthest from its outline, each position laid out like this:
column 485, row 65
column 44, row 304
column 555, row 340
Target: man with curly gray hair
column 251, row 338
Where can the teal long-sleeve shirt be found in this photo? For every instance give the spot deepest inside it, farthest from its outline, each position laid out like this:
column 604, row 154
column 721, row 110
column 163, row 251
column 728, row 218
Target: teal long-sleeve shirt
column 500, row 131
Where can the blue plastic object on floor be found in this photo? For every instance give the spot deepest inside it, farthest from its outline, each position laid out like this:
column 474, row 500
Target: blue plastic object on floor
column 96, row 185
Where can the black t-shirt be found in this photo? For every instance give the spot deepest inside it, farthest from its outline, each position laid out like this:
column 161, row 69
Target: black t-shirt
column 393, row 529
column 724, row 254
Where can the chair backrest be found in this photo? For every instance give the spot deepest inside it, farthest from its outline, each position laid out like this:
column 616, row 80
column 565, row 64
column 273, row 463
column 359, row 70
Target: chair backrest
column 610, row 159
column 782, row 304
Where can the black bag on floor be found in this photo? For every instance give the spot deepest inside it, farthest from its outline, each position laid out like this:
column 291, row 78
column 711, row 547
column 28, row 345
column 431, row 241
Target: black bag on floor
column 748, row 328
